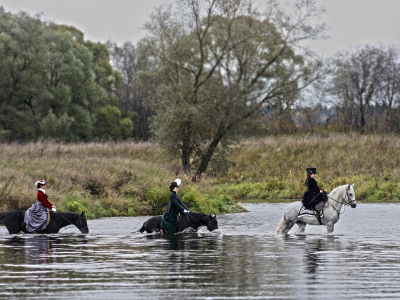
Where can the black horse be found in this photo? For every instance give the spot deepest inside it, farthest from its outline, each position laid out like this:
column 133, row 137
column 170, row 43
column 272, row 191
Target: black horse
column 189, row 220
column 14, row 221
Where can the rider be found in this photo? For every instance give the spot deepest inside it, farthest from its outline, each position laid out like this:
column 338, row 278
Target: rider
column 315, row 197
column 175, row 205
column 36, row 215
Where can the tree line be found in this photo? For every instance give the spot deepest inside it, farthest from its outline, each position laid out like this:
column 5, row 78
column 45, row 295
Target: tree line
column 206, row 73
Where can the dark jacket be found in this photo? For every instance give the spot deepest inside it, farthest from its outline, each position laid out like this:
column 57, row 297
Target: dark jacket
column 175, row 202
column 312, row 185
column 313, row 195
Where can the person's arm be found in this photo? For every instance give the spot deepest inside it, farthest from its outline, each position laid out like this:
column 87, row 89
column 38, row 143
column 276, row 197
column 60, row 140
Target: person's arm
column 174, row 199
column 181, row 203
column 42, row 198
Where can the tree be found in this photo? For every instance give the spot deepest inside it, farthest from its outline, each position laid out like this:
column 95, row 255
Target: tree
column 110, row 125
column 219, row 62
column 52, row 82
column 389, row 88
column 357, row 79
column 131, row 61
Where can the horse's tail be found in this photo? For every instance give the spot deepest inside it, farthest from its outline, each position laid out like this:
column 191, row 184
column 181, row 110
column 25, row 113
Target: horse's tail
column 280, row 226
column 141, row 230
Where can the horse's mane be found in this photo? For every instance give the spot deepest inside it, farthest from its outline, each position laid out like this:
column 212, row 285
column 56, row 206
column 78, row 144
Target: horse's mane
column 336, row 191
column 198, row 214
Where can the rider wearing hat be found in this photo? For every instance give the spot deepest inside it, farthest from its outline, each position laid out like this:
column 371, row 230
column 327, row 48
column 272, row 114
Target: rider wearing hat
column 42, row 196
column 175, row 206
column 36, row 215
column 315, row 197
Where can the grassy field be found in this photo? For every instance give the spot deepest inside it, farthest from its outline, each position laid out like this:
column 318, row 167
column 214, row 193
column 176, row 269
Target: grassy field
column 130, row 179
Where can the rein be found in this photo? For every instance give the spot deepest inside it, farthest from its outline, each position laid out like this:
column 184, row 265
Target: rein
column 343, row 203
column 75, row 224
column 209, row 221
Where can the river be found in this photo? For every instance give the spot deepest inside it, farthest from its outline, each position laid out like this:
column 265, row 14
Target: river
column 244, row 259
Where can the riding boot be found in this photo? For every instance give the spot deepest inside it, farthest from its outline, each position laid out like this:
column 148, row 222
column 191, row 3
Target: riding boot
column 318, row 215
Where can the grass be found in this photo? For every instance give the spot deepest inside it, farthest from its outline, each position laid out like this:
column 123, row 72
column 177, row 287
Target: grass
column 274, row 168
column 103, row 179
column 130, row 179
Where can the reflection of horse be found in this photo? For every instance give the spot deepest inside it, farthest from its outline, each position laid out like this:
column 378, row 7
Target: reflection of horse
column 342, row 195
column 189, row 220
column 14, row 221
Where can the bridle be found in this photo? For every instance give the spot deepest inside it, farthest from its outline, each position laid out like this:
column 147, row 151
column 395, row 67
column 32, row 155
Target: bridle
column 345, row 203
column 208, row 225
column 76, row 223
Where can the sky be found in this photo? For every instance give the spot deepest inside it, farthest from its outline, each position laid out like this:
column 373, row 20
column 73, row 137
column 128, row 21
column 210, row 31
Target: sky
column 351, row 22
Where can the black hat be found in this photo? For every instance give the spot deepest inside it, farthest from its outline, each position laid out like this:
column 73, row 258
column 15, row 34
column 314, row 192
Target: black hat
column 312, row 170
column 174, row 184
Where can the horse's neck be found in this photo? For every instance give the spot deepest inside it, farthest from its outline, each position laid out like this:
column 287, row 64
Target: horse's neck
column 336, row 200
column 196, row 220
column 66, row 219
column 204, row 220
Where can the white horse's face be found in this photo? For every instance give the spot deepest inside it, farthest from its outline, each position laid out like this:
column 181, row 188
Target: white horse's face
column 350, row 197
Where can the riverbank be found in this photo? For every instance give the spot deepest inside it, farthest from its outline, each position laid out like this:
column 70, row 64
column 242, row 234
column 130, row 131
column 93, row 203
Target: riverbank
column 131, row 179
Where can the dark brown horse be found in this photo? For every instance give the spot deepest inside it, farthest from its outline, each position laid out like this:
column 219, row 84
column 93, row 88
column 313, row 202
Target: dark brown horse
column 190, row 220
column 14, row 221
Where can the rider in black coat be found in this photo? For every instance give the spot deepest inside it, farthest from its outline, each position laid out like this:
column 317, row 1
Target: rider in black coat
column 314, row 197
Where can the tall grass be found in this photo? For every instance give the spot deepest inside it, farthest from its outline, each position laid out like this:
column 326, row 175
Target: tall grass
column 275, row 167
column 128, row 179
column 104, row 179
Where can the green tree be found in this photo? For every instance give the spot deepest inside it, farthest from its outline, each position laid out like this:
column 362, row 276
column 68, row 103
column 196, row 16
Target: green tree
column 219, row 62
column 46, row 75
column 109, row 124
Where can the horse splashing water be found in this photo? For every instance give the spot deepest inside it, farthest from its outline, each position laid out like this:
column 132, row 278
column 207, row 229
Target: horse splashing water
column 342, row 195
column 190, row 220
column 14, row 222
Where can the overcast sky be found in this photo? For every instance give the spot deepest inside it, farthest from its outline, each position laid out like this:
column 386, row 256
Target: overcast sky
column 351, row 22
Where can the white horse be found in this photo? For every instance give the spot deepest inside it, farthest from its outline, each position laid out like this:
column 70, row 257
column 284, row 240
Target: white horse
column 342, row 195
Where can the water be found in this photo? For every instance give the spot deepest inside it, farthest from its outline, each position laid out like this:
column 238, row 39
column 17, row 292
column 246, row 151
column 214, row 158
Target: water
column 243, row 260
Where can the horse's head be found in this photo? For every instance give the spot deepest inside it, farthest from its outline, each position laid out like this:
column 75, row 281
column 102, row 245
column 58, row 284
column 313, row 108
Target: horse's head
column 212, row 223
column 350, row 197
column 82, row 223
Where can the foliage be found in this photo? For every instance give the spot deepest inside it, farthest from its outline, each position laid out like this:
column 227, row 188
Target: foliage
column 109, row 179
column 218, row 64
column 52, row 82
column 130, row 179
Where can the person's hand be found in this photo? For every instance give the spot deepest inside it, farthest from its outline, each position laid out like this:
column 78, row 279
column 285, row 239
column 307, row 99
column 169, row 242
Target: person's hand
column 54, row 208
column 320, row 191
column 186, row 211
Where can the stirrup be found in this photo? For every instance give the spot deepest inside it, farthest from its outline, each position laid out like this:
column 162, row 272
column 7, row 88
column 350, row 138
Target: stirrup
column 317, row 216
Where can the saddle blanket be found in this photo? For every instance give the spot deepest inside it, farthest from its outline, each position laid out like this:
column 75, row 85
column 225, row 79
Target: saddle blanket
column 308, row 216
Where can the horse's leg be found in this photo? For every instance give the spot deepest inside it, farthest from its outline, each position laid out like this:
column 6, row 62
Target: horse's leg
column 329, row 227
column 287, row 226
column 302, row 226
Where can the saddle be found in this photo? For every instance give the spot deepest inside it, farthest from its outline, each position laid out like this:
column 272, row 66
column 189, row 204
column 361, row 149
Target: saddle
column 311, row 216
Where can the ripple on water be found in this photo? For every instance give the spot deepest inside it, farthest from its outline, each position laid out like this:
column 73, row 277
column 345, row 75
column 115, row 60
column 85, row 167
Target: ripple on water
column 244, row 259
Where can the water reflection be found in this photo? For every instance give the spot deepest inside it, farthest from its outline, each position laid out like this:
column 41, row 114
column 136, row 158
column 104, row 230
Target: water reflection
column 249, row 262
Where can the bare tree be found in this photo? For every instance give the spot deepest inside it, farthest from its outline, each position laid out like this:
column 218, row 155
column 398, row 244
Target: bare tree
column 219, row 62
column 357, row 80
column 389, row 90
column 132, row 95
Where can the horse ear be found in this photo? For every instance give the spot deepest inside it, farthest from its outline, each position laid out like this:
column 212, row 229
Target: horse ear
column 215, row 216
column 210, row 216
column 83, row 213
